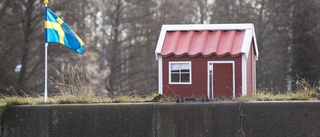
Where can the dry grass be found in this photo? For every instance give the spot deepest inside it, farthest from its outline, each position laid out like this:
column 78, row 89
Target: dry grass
column 74, row 86
column 302, row 91
column 73, row 81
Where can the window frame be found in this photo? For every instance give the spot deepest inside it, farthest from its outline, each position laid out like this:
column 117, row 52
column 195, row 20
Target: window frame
column 180, row 81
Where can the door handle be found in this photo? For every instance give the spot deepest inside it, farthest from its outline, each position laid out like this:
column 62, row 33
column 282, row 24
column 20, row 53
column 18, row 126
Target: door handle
column 216, row 81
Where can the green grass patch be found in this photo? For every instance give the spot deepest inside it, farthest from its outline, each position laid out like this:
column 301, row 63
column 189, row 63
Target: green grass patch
column 267, row 96
column 17, row 100
column 70, row 99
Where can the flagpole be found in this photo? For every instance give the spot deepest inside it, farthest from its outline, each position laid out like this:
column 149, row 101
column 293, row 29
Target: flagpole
column 46, row 72
column 76, row 43
column 45, row 63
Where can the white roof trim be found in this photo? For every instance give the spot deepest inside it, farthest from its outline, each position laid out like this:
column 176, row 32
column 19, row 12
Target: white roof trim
column 249, row 27
column 160, row 41
column 248, row 36
column 246, row 41
column 255, row 44
column 208, row 27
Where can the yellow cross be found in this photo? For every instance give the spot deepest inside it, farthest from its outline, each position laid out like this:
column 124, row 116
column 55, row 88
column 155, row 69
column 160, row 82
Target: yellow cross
column 57, row 27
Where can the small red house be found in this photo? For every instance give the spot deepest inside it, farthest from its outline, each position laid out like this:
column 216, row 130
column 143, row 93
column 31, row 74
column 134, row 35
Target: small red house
column 214, row 60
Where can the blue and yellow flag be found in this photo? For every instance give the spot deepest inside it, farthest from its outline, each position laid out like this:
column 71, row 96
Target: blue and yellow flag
column 56, row 31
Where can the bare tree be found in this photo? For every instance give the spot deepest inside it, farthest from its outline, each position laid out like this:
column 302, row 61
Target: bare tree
column 121, row 35
column 290, row 46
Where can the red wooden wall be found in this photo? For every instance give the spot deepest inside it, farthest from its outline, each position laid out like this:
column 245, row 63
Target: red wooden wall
column 199, row 76
column 251, row 71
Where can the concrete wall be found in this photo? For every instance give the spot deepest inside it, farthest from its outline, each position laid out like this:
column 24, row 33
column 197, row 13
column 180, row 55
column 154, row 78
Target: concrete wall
column 281, row 119
column 276, row 119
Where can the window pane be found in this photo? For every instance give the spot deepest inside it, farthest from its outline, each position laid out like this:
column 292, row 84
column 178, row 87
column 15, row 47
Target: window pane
column 175, row 71
column 180, row 72
column 175, row 78
column 185, row 65
column 175, row 67
column 185, row 70
column 185, row 77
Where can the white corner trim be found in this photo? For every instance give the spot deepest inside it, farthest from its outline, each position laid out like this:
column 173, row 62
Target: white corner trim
column 233, row 80
column 208, row 80
column 244, row 75
column 160, row 78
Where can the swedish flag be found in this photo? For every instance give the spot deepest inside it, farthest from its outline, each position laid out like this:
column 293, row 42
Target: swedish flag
column 56, row 31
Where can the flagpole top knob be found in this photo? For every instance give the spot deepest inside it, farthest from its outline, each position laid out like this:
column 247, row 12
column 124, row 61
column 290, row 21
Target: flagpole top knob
column 46, row 2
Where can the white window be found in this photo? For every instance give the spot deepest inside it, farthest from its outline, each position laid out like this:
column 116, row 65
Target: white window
column 180, row 72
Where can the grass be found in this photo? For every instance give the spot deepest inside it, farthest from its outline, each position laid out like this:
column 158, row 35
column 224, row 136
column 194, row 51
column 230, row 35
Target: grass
column 18, row 100
column 280, row 96
column 75, row 86
column 303, row 91
column 79, row 99
column 70, row 99
column 71, row 93
column 73, row 80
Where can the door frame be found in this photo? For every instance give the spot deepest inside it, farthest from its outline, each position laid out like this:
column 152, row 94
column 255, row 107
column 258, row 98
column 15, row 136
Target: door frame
column 208, row 77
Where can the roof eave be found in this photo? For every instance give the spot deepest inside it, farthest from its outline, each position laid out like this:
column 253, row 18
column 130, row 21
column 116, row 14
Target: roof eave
column 247, row 40
column 174, row 27
column 160, row 41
